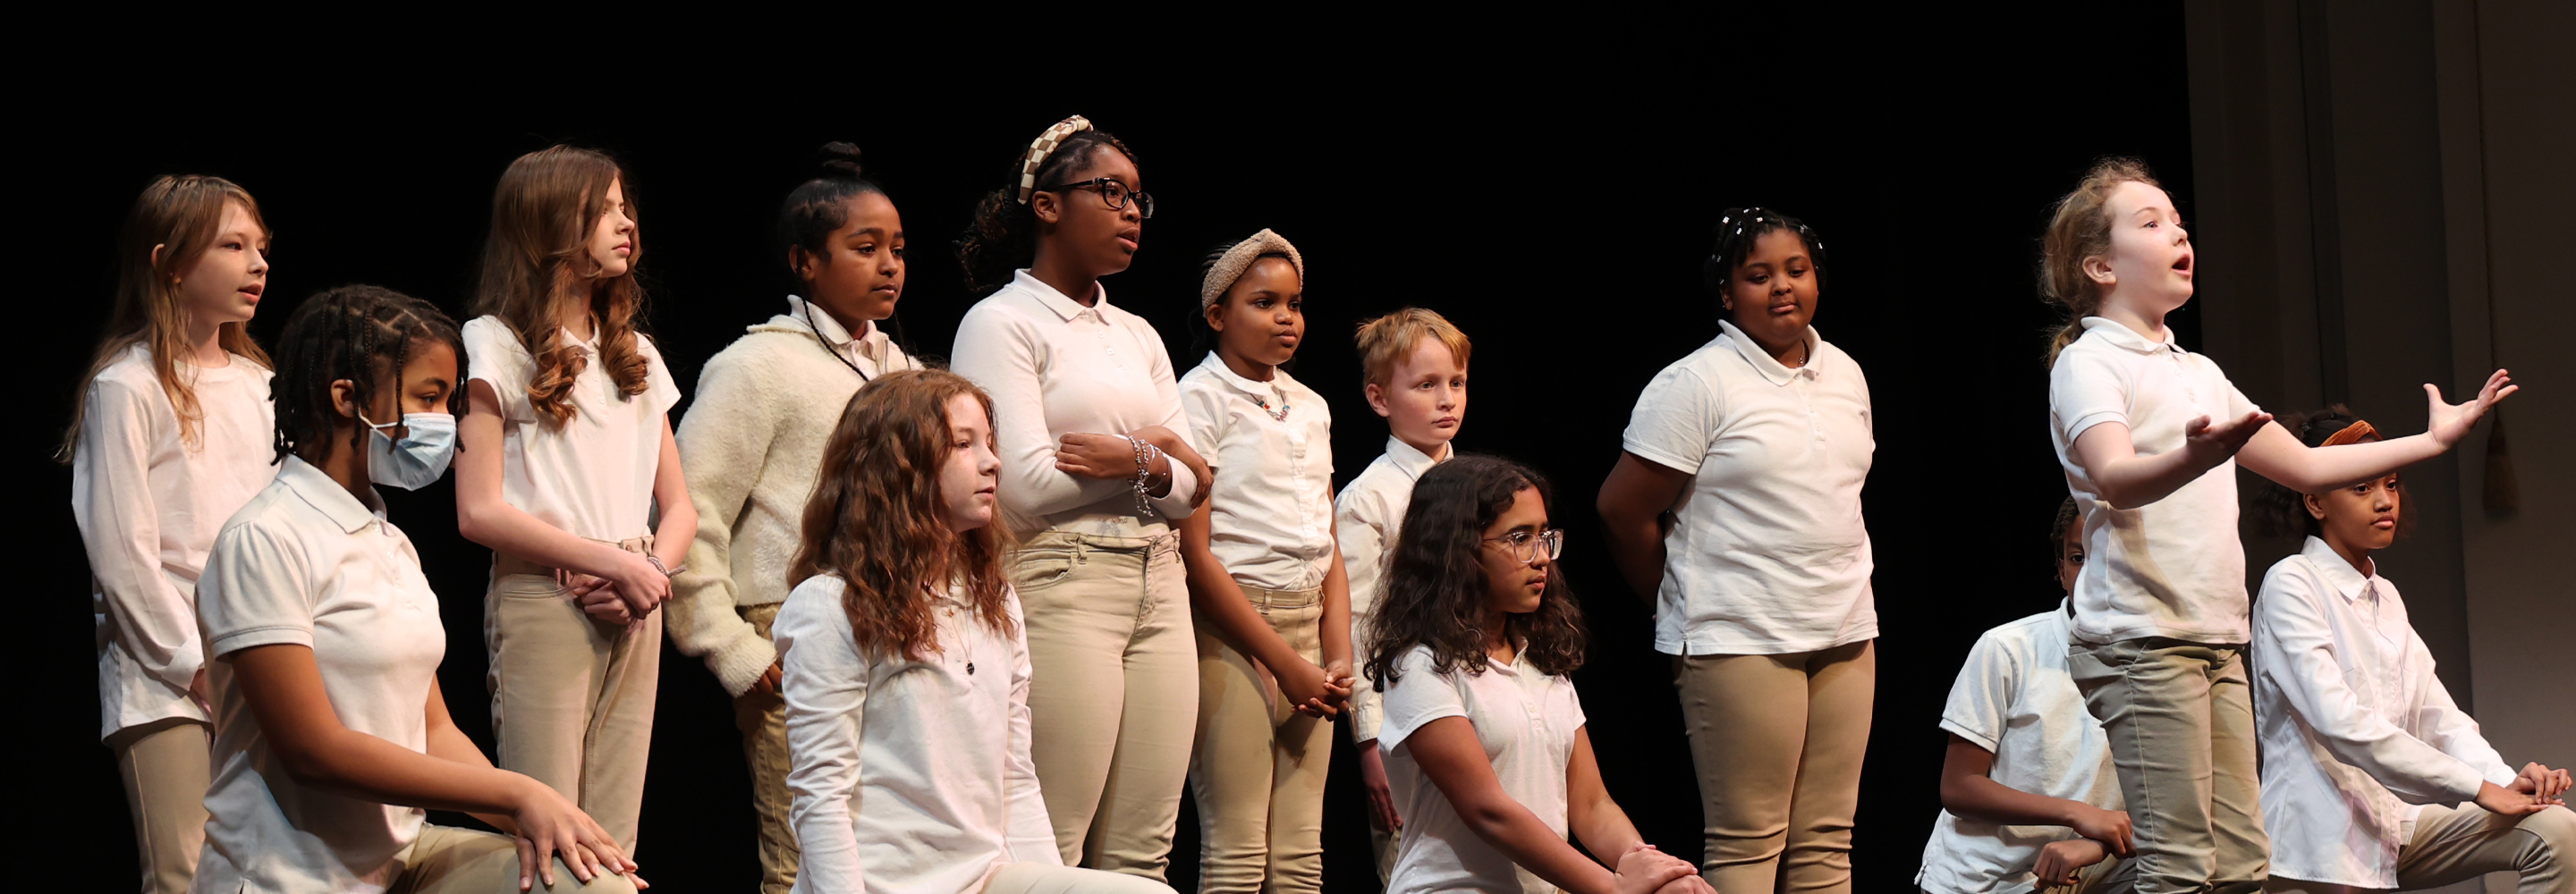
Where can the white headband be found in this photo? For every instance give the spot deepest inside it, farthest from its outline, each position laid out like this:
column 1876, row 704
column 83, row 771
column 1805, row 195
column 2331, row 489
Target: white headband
column 1230, row 266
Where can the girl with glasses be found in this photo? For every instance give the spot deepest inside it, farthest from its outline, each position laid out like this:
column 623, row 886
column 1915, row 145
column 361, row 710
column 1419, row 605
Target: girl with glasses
column 1484, row 739
column 1736, row 506
column 1094, row 471
column 1271, row 601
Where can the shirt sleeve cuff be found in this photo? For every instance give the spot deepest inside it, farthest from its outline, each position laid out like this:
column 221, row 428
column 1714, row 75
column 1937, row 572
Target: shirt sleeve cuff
column 741, row 662
column 2077, row 428
column 1366, row 717
column 259, row 636
column 1391, row 736
column 1663, row 458
column 1981, row 740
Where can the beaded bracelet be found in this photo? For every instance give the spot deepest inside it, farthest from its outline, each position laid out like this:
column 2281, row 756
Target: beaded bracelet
column 1145, row 456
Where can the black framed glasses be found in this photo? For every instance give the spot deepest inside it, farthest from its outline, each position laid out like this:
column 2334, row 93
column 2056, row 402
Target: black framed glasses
column 1527, row 547
column 1115, row 193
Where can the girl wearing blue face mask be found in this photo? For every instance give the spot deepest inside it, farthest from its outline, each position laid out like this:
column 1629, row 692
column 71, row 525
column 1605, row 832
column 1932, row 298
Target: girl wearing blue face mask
column 331, row 737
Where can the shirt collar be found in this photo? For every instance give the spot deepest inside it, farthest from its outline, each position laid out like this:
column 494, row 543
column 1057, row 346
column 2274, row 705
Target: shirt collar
column 1063, row 306
column 1414, row 462
column 2346, row 579
column 2120, row 334
column 335, row 502
column 1277, row 386
column 1769, row 368
column 870, row 343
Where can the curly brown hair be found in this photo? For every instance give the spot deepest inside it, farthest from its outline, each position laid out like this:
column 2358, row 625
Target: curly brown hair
column 1435, row 577
column 874, row 519
column 542, row 214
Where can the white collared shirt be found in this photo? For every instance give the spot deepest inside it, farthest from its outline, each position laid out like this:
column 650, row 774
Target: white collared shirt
column 2356, row 730
column 872, row 351
column 306, row 563
column 148, row 504
column 592, row 476
column 2172, row 568
column 1271, row 503
column 2015, row 699
column 1526, row 721
column 909, row 776
column 1366, row 516
column 1054, row 367
column 1768, row 554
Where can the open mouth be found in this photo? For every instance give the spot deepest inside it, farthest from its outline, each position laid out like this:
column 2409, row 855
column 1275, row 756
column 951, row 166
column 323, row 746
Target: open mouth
column 1127, row 239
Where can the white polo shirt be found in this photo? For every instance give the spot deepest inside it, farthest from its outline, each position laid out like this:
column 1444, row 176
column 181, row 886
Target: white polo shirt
column 1054, row 367
column 1525, row 719
column 2172, row 568
column 1768, row 554
column 592, row 476
column 1366, row 516
column 306, row 563
column 910, row 776
column 2353, row 722
column 1271, row 505
column 2015, row 699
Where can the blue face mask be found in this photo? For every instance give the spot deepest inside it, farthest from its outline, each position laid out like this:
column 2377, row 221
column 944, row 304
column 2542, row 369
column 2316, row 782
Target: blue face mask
column 419, row 458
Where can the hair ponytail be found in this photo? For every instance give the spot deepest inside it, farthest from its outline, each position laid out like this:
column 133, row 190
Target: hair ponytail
column 822, row 205
column 1002, row 237
column 2080, row 228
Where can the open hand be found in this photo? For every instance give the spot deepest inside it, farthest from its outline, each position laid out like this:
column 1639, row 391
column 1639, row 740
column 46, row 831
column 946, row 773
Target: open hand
column 2216, row 441
column 550, row 826
column 2503, row 801
column 2448, row 422
column 1381, row 797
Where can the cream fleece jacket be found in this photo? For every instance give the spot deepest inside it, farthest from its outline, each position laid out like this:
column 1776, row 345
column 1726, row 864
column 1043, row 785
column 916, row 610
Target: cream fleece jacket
column 751, row 445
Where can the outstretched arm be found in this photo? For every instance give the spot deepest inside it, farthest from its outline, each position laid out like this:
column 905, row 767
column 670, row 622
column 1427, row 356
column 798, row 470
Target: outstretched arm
column 2278, row 455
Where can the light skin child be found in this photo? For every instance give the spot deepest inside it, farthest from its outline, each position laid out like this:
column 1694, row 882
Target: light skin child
column 972, row 475
column 1967, row 790
column 1424, row 401
column 223, row 286
column 2146, row 274
column 611, row 584
column 2360, row 519
column 1449, row 751
column 283, row 687
column 1258, row 324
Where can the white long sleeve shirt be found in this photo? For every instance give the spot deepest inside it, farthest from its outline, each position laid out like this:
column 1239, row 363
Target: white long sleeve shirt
column 751, row 447
column 148, row 504
column 2356, row 730
column 1054, row 367
column 909, row 776
column 1270, row 506
column 1366, row 515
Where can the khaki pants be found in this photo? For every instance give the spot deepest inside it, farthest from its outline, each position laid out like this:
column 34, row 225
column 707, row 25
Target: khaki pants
column 1114, row 700
column 2180, row 720
column 763, row 722
column 446, row 860
column 1259, row 767
column 165, row 765
column 1045, row 878
column 572, row 698
column 1778, row 742
column 2452, row 845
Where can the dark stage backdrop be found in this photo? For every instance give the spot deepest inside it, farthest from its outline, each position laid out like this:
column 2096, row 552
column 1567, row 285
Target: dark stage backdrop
column 1554, row 202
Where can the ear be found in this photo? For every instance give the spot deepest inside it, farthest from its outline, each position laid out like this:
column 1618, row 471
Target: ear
column 156, row 253
column 1043, row 204
column 801, row 261
column 1377, row 400
column 2316, row 508
column 344, row 398
column 1215, row 314
column 2098, row 269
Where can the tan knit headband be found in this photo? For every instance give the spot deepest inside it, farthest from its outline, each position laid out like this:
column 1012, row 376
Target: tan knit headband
column 1044, row 146
column 2351, row 434
column 1230, row 266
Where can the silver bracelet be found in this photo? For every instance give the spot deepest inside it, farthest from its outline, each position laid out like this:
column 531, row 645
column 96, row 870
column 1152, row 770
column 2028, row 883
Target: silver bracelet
column 666, row 570
column 1145, row 454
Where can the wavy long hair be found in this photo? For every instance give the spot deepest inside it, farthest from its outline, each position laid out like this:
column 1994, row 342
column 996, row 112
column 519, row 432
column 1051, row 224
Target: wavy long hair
column 1436, row 591
column 2079, row 227
column 183, row 215
column 537, row 255
column 874, row 518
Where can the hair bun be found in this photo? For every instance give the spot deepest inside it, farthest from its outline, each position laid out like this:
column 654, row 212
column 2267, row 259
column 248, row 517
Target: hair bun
column 840, row 160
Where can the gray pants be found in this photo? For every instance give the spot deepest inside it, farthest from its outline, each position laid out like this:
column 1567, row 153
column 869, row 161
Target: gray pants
column 2180, row 719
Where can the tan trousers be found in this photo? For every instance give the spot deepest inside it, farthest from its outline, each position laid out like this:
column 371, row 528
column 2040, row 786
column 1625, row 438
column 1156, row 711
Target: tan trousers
column 1114, row 700
column 1045, row 878
column 2180, row 720
column 165, row 765
column 1778, row 742
column 763, row 721
column 2455, row 844
column 446, row 860
column 1259, row 767
column 572, row 698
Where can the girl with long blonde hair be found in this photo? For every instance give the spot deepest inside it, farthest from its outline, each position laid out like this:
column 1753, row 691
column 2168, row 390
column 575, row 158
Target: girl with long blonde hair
column 171, row 435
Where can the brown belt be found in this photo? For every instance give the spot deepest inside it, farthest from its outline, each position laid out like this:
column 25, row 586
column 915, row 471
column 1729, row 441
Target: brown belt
column 505, row 563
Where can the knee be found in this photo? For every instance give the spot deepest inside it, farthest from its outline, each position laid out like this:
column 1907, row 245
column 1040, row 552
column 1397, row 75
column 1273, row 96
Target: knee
column 2555, row 826
column 603, row 883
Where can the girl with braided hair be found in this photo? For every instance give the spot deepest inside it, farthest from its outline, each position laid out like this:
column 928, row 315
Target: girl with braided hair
column 332, row 738
column 1094, row 471
column 568, row 458
column 170, row 436
column 1736, row 505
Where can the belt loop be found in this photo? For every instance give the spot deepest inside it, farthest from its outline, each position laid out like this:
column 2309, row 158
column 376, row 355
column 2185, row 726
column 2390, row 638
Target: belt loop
column 1080, row 546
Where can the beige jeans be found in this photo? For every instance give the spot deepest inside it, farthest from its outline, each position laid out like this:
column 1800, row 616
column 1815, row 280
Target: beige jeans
column 1046, row 878
column 572, row 698
column 1114, row 700
column 763, row 721
column 2180, row 720
column 2455, row 844
column 1259, row 767
column 1778, row 742
column 445, row 860
column 165, row 765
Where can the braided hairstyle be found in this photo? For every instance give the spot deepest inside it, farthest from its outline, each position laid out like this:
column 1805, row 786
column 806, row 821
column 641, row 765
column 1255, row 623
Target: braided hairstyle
column 340, row 334
column 1002, row 237
column 2281, row 512
column 1738, row 229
